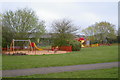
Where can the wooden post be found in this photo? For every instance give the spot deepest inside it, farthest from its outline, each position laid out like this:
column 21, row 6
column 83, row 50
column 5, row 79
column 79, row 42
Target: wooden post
column 7, row 48
column 30, row 45
column 13, row 45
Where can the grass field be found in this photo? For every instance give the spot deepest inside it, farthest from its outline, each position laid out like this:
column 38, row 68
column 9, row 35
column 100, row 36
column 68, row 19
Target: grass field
column 0, row 61
column 100, row 73
column 85, row 56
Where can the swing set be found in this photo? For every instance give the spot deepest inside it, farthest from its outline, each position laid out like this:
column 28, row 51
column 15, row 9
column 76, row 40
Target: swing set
column 13, row 45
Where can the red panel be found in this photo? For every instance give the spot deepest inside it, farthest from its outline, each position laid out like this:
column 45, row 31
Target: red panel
column 65, row 48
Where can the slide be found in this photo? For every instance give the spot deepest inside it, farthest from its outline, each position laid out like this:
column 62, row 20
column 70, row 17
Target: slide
column 37, row 47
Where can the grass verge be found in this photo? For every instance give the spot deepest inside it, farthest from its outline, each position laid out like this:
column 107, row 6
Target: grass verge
column 100, row 73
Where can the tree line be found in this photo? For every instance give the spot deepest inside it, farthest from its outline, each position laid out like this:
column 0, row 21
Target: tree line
column 24, row 24
column 102, row 32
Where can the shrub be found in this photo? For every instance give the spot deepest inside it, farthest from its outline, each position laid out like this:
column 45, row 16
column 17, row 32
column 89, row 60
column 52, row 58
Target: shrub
column 76, row 46
column 60, row 42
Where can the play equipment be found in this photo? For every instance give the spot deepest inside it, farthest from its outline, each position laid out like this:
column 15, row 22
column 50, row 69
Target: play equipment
column 37, row 47
column 12, row 45
column 82, row 40
column 31, row 45
column 94, row 45
column 86, row 42
column 26, row 47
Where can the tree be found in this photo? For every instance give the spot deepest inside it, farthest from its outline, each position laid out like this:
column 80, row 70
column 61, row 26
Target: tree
column 64, row 31
column 20, row 24
column 0, row 31
column 119, row 34
column 102, row 31
column 89, row 32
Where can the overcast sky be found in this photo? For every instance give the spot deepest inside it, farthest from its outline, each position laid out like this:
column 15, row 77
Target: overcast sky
column 83, row 14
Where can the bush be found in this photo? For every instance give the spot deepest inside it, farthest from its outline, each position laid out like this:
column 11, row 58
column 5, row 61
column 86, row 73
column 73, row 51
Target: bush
column 76, row 46
column 60, row 42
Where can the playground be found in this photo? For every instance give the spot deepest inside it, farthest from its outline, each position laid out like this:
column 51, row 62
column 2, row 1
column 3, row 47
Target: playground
column 32, row 49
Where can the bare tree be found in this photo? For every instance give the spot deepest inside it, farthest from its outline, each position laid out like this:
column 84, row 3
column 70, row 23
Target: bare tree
column 64, row 30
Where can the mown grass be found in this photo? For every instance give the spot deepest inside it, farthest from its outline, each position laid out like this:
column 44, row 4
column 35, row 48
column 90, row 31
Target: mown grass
column 100, row 73
column 0, row 61
column 85, row 56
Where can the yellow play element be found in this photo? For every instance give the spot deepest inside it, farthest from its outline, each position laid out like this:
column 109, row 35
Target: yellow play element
column 94, row 45
column 37, row 47
column 82, row 41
